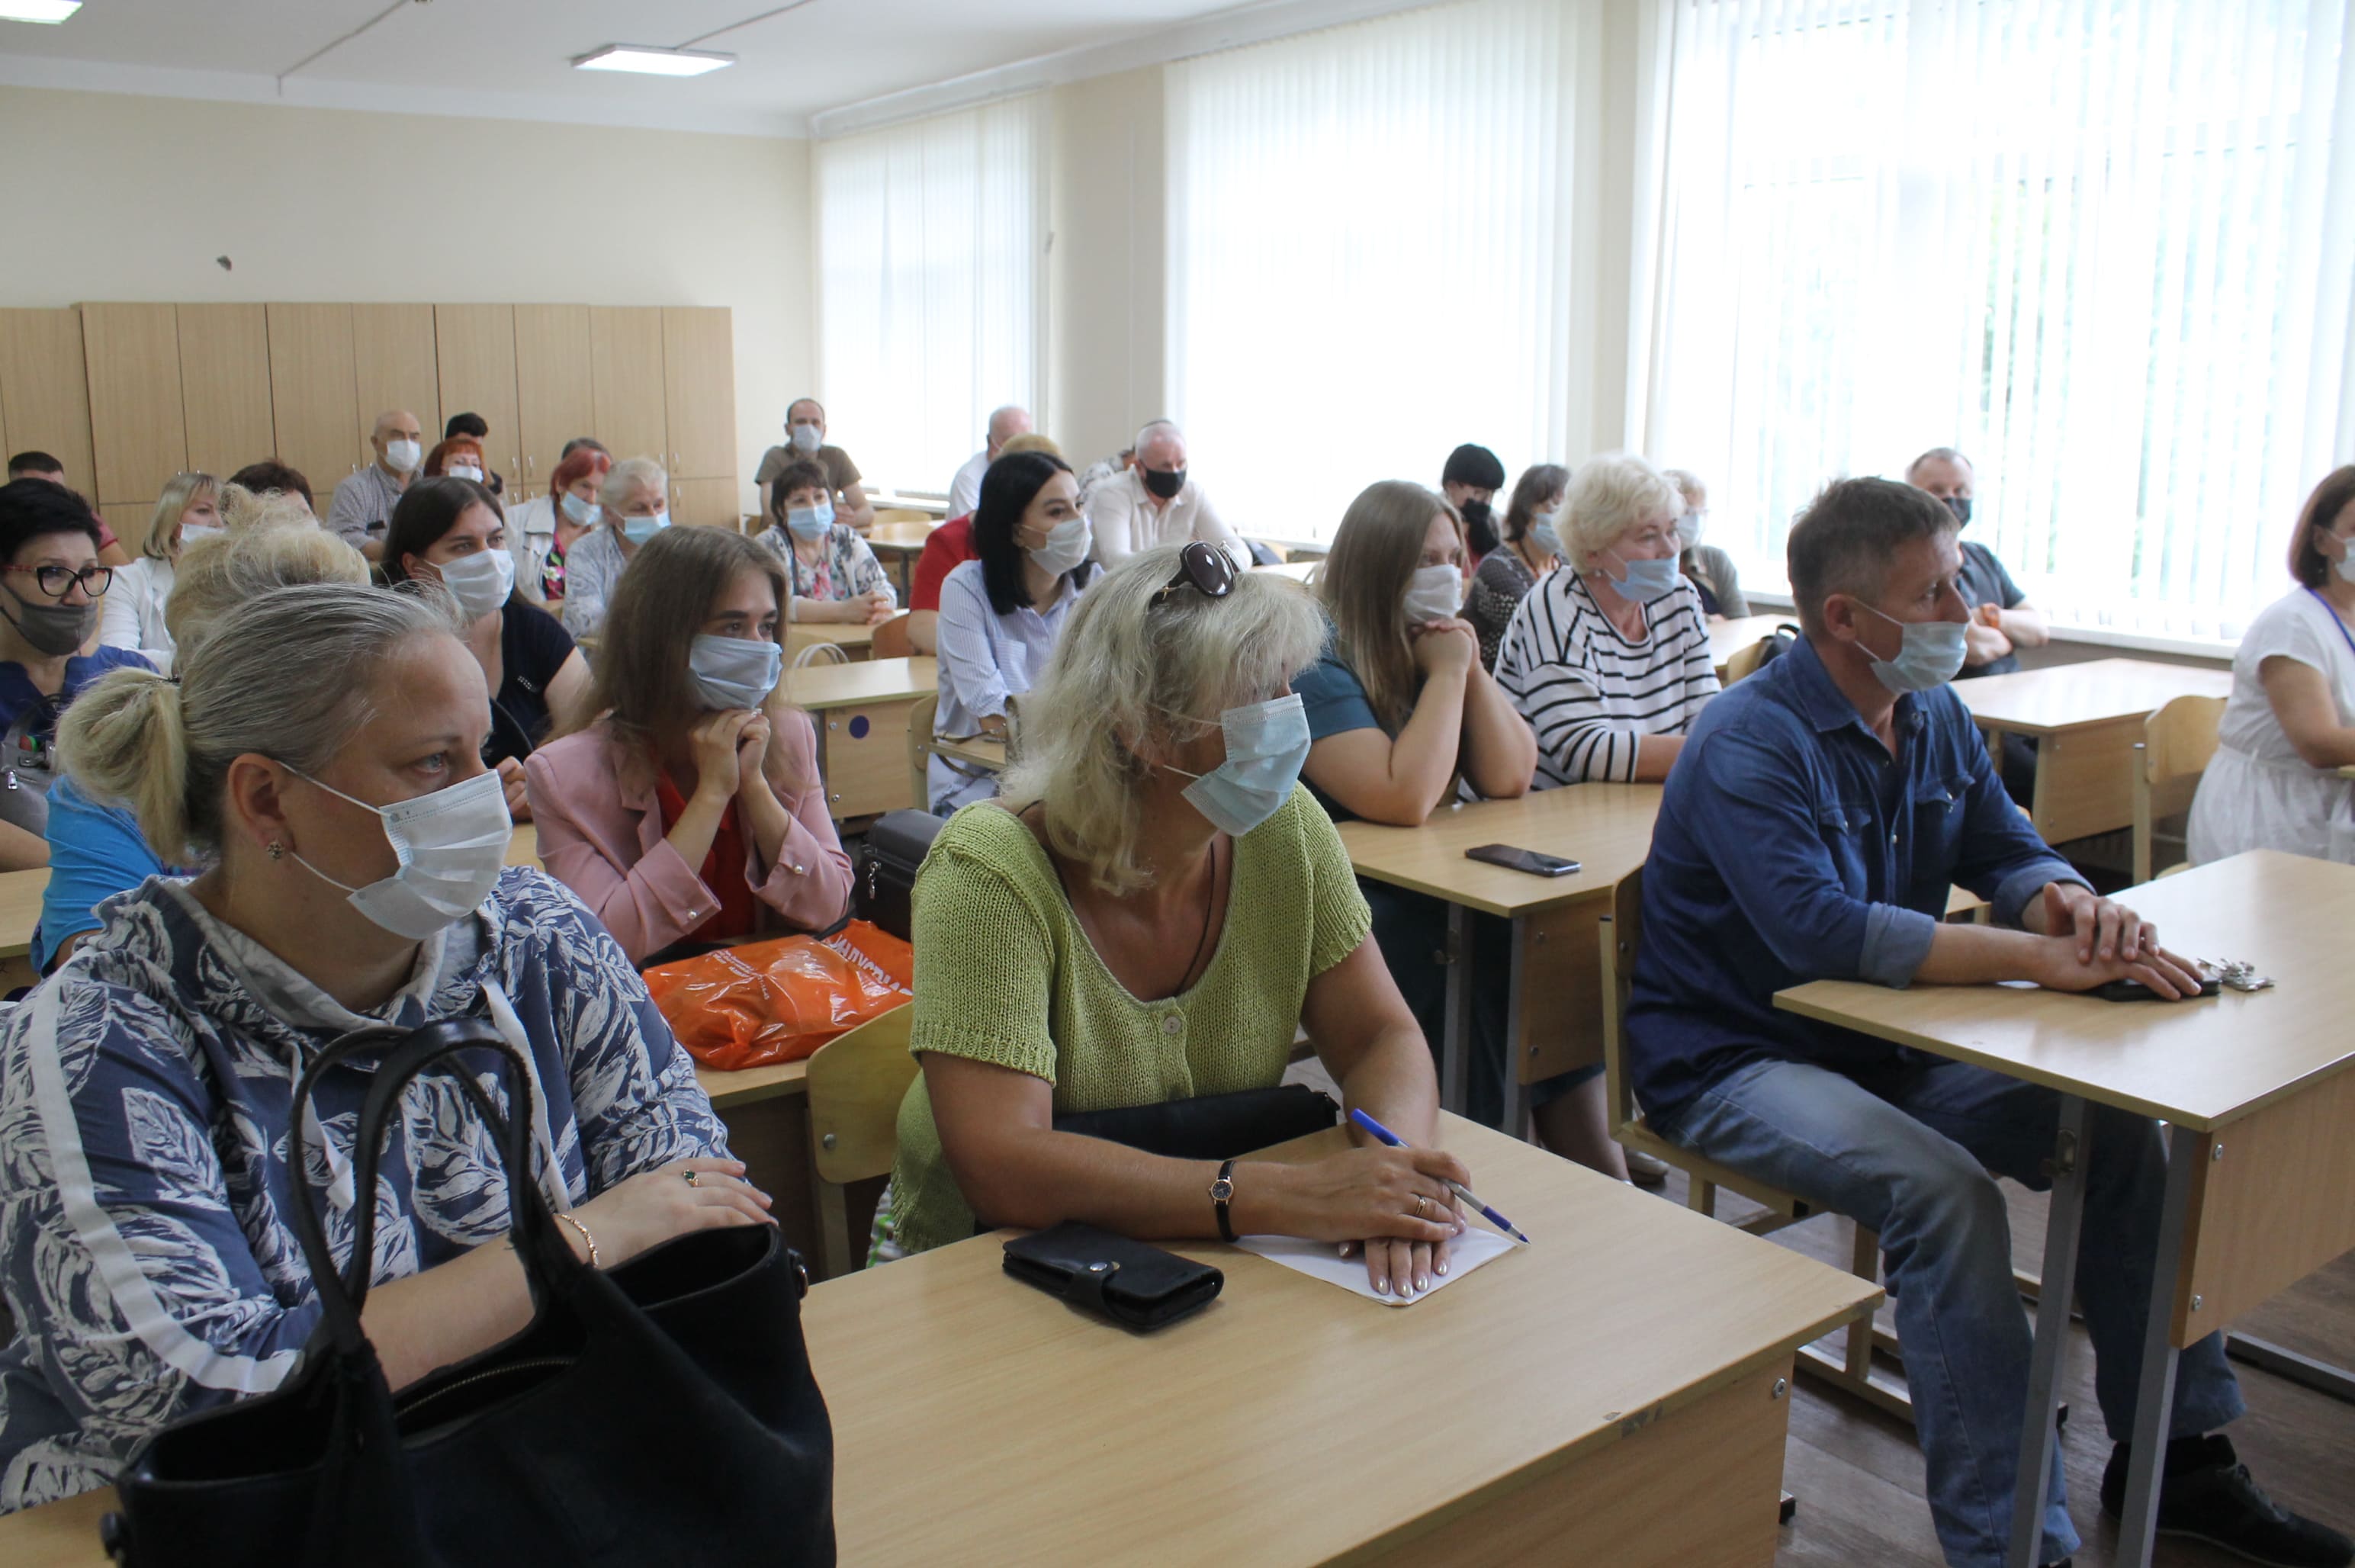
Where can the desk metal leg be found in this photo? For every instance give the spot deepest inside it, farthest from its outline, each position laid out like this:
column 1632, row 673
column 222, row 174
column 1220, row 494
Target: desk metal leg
column 1455, row 1040
column 2032, row 1489
column 1516, row 1124
column 2322, row 1376
column 2155, row 1399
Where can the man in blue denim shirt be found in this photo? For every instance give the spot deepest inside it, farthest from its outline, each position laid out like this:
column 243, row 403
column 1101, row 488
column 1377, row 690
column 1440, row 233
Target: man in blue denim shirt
column 1811, row 829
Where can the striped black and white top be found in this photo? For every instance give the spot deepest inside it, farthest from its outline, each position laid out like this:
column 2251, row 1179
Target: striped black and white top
column 1591, row 695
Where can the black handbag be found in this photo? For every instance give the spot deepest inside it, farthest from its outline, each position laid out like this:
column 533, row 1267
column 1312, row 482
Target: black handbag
column 1211, row 1126
column 1135, row 1286
column 661, row 1413
column 884, row 882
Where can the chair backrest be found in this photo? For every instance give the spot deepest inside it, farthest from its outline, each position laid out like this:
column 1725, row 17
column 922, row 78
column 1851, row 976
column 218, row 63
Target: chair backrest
column 891, row 639
column 855, row 1083
column 1620, row 934
column 1745, row 661
column 920, row 747
column 820, row 653
column 2176, row 744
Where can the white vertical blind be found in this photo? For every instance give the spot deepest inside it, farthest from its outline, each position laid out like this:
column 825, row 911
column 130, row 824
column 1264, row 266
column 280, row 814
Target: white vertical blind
column 2105, row 247
column 932, row 242
column 1369, row 252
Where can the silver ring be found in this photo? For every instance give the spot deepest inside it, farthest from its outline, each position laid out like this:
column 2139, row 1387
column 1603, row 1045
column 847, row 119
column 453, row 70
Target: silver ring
column 691, row 1180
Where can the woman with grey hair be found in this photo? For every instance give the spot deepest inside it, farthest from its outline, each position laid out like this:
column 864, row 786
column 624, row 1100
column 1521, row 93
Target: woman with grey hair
column 633, row 505
column 1708, row 567
column 1147, row 914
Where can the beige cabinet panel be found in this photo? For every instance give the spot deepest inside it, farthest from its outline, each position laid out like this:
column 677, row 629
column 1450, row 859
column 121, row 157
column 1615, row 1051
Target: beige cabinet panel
column 138, row 433
column 44, row 388
column 626, row 378
column 313, row 392
column 476, row 347
column 705, row 502
column 699, row 390
column 129, row 519
column 225, row 385
column 394, row 367
column 553, row 399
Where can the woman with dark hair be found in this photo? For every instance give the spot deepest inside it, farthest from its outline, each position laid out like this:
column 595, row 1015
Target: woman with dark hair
column 451, row 531
column 1001, row 612
column 2289, row 727
column 684, row 798
column 1532, row 546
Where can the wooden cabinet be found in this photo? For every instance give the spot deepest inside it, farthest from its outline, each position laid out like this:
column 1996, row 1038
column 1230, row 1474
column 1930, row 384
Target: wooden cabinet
column 708, row 502
column 225, row 387
column 44, row 388
column 700, row 392
column 138, row 431
column 313, row 392
column 625, row 380
column 394, row 367
column 553, row 398
column 475, row 346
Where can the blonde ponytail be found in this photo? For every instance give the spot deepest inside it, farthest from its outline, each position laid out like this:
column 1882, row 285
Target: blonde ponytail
column 124, row 740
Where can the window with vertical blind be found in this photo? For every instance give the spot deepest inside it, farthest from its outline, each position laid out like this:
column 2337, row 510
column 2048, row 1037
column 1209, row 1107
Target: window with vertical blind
column 1370, row 255
column 2103, row 246
column 931, row 241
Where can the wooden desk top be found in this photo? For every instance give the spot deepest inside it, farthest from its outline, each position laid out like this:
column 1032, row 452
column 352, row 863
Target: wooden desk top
column 523, row 846
column 903, row 536
column 2198, row 1065
column 842, row 634
column 20, row 910
column 2060, row 698
column 821, row 687
column 1607, row 827
column 975, row 750
column 751, row 1083
column 1727, row 638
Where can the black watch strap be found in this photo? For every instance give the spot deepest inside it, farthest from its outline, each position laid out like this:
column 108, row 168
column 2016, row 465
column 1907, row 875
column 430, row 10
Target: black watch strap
column 1222, row 1192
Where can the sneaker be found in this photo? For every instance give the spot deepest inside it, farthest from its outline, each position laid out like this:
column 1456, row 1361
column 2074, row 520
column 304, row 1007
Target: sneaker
column 1646, row 1170
column 2207, row 1494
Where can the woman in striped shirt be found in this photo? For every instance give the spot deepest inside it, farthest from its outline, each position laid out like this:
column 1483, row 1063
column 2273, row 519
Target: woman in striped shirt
column 1610, row 662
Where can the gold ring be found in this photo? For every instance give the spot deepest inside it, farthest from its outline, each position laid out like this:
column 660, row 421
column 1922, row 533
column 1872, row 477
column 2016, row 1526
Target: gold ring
column 1421, row 1202
column 691, row 1181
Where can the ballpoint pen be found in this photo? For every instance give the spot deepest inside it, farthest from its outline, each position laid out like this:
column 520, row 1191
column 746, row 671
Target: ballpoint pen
column 1377, row 1130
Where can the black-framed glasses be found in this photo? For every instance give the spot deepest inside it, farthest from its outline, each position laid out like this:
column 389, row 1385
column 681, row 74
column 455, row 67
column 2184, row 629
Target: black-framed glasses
column 56, row 582
column 1204, row 567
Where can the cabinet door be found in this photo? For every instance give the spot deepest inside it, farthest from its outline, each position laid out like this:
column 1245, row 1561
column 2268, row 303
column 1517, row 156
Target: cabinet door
column 225, row 387
column 394, row 367
column 699, row 390
column 139, row 435
column 313, row 391
column 130, row 520
column 476, row 347
column 553, row 401
column 625, row 377
column 709, row 503
column 44, row 388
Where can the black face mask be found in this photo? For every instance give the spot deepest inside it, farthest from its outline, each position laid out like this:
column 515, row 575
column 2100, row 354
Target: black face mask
column 1475, row 514
column 1165, row 486
column 1961, row 506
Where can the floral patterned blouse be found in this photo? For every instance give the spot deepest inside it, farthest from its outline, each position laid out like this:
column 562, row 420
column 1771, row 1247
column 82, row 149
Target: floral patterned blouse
column 848, row 570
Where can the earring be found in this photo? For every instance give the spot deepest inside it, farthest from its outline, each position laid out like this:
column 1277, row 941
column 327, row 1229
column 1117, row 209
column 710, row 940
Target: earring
column 275, row 850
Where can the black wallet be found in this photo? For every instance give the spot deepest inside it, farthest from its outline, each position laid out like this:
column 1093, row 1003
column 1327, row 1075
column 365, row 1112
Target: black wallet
column 1135, row 1286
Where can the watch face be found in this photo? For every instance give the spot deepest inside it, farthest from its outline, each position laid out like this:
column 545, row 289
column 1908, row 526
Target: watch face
column 1221, row 1189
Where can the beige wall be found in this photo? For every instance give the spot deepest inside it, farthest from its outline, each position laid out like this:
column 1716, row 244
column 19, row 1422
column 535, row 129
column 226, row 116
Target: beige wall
column 1107, row 271
column 136, row 195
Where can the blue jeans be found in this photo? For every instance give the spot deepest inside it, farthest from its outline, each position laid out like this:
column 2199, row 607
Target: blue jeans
column 1908, row 1153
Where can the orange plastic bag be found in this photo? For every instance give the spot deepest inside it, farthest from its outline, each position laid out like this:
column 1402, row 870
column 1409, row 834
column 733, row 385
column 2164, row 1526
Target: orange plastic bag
column 778, row 1001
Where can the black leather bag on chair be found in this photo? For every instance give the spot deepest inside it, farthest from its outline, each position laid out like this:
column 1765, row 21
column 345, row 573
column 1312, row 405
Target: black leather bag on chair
column 883, row 883
column 661, row 1413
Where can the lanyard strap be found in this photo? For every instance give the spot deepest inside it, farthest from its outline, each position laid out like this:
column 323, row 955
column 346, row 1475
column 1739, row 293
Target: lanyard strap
column 2337, row 619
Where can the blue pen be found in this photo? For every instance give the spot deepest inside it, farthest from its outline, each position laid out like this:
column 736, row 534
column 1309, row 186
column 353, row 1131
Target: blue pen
column 1379, row 1131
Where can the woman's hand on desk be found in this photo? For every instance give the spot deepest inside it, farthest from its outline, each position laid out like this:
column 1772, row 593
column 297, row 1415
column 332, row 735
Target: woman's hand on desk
column 1395, row 1204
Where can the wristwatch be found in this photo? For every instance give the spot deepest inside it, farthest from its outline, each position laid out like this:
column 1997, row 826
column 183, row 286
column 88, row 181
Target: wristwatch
column 1222, row 1192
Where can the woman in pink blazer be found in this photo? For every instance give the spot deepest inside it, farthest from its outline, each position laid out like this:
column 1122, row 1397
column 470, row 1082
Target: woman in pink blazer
column 691, row 806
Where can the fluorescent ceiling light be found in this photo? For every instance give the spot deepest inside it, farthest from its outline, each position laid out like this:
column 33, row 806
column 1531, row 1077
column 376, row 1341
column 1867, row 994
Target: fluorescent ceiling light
column 38, row 10
column 634, row 57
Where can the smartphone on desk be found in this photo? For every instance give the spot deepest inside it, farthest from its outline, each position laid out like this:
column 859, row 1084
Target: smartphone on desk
column 1530, row 860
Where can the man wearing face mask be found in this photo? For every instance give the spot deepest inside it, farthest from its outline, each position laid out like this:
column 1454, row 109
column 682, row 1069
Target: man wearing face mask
column 1470, row 482
column 1156, row 502
column 1812, row 829
column 806, row 442
column 363, row 503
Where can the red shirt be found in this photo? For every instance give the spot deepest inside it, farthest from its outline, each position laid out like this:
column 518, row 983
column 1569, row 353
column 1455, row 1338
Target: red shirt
column 723, row 870
column 946, row 547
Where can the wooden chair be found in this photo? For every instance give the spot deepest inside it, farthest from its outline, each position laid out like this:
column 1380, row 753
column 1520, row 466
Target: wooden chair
column 820, row 653
column 2177, row 743
column 904, row 514
column 855, row 1085
column 891, row 639
column 1745, row 661
column 920, row 748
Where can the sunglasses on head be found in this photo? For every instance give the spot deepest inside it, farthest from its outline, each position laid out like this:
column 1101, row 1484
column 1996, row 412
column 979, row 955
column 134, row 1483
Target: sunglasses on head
column 1204, row 567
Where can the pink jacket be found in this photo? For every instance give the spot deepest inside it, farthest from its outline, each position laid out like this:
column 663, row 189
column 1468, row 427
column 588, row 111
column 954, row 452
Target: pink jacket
column 601, row 834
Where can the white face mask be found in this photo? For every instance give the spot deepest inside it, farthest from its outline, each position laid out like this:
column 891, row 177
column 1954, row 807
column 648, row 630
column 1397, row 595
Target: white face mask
column 465, row 471
column 404, row 456
column 1067, row 545
column 1689, row 529
column 453, row 845
column 805, row 437
column 733, row 672
column 191, row 532
column 1434, row 594
column 481, row 581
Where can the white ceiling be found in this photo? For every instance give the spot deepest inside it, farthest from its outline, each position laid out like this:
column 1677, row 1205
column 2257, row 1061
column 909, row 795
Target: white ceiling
column 511, row 59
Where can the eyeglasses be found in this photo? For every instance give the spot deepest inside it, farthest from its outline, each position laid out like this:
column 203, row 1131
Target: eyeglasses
column 1204, row 567
column 56, row 582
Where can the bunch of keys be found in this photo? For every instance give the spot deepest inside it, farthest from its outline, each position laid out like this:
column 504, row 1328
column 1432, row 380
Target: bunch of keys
column 2235, row 975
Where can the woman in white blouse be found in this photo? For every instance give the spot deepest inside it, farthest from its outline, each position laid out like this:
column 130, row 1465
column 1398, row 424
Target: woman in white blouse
column 2289, row 727
column 131, row 615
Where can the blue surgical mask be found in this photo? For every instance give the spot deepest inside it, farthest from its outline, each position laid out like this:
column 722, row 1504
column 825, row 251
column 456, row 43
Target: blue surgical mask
column 733, row 672
column 1267, row 745
column 1932, row 654
column 585, row 513
column 810, row 523
column 1543, row 537
column 1646, row 579
column 638, row 530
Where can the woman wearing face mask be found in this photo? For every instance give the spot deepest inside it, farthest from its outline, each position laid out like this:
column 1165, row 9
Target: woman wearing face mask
column 545, row 528
column 133, row 616
column 355, row 843
column 833, row 572
column 692, row 808
column 1532, row 546
column 459, row 457
column 1001, row 612
column 2289, row 725
column 632, row 507
column 450, row 531
column 1150, row 915
column 1609, row 662
column 1706, row 567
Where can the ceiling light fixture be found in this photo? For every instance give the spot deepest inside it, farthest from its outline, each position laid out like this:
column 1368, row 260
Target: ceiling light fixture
column 38, row 10
column 644, row 59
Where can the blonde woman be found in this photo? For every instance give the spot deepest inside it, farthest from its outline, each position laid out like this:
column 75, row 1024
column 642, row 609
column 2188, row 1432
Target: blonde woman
column 1609, row 661
column 1706, row 567
column 133, row 614
column 1148, row 915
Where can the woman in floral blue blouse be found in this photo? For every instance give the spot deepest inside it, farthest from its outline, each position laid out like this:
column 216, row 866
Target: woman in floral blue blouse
column 836, row 576
column 146, row 1174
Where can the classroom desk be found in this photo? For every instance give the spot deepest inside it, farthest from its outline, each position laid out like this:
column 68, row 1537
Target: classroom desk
column 20, row 911
column 985, row 751
column 2261, row 1176
column 856, row 641
column 2085, row 720
column 1727, row 638
column 861, row 711
column 898, row 545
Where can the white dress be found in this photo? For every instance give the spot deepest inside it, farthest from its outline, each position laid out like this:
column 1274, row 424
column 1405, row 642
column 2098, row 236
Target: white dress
column 131, row 615
column 2257, row 792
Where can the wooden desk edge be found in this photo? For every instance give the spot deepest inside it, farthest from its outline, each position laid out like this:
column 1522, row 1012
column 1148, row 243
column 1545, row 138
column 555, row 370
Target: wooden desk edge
column 1567, row 895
